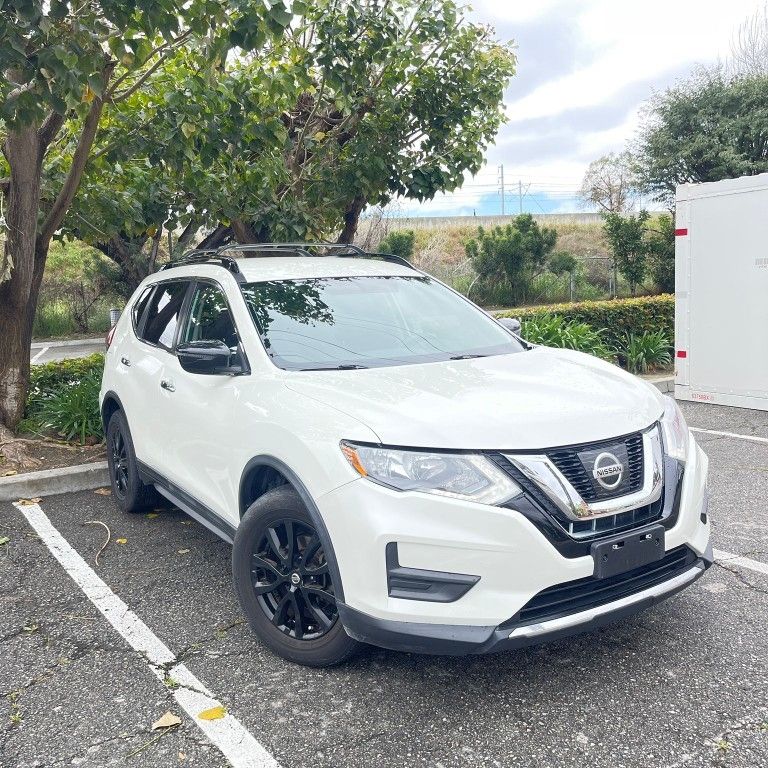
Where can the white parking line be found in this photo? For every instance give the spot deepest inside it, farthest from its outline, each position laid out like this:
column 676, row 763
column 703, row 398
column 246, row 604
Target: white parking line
column 753, row 438
column 726, row 558
column 237, row 745
column 39, row 355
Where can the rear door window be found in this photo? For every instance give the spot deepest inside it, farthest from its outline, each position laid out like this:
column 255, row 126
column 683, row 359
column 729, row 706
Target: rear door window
column 163, row 313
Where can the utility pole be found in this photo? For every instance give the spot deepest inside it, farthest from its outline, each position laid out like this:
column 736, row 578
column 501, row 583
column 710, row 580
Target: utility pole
column 520, row 194
column 501, row 184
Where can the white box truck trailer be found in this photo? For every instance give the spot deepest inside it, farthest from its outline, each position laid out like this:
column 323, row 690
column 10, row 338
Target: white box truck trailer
column 721, row 292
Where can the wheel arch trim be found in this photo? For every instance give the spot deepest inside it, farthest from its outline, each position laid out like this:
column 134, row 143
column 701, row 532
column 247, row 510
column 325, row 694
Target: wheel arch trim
column 110, row 395
column 294, row 480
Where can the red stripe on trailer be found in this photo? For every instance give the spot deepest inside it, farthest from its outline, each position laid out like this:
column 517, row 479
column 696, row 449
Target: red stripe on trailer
column 682, row 353
column 681, row 232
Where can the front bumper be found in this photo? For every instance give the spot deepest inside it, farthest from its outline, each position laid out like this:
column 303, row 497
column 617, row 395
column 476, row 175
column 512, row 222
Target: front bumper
column 512, row 560
column 457, row 640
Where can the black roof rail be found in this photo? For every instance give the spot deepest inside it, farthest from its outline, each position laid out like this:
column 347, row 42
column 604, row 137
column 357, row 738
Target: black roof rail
column 346, row 250
column 206, row 256
column 216, row 255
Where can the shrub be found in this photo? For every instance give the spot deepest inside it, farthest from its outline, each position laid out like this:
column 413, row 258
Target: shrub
column 646, row 352
column 399, row 243
column 556, row 331
column 513, row 254
column 73, row 411
column 64, row 397
column 617, row 317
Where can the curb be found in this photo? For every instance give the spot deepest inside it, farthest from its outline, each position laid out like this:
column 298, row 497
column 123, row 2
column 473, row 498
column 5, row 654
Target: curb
column 665, row 384
column 67, row 343
column 48, row 482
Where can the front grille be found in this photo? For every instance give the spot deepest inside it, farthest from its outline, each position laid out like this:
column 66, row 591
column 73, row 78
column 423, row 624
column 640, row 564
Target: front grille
column 583, row 594
column 622, row 521
column 575, row 462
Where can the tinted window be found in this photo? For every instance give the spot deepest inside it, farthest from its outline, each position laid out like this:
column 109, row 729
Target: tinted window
column 163, row 314
column 370, row 321
column 141, row 305
column 209, row 317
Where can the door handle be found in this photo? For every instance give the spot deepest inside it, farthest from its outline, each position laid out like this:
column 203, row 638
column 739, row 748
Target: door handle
column 167, row 385
column 125, row 361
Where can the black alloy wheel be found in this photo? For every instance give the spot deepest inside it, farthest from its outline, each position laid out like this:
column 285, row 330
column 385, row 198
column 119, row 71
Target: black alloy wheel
column 128, row 490
column 119, row 462
column 291, row 580
column 284, row 574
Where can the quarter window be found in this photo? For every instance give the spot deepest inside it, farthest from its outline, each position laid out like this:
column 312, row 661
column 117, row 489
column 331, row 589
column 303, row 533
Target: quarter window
column 163, row 314
column 141, row 305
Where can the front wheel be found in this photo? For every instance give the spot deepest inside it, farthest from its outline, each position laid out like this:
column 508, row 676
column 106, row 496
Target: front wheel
column 284, row 584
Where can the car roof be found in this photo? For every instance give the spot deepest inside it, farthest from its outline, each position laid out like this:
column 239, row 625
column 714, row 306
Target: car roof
column 261, row 268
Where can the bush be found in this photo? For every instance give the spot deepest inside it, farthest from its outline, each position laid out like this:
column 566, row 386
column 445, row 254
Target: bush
column 617, row 317
column 556, row 331
column 64, row 398
column 646, row 352
column 399, row 243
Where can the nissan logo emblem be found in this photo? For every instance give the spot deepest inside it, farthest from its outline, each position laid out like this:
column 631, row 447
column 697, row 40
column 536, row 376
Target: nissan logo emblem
column 608, row 471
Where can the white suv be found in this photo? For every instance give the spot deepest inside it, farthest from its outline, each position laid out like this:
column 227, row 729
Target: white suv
column 391, row 464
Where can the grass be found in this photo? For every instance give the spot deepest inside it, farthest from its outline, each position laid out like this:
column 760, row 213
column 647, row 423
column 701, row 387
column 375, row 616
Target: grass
column 53, row 319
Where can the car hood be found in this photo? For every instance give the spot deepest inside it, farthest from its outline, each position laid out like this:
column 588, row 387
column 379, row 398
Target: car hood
column 528, row 400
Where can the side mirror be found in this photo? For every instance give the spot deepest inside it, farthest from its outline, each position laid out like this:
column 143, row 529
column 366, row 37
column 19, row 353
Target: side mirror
column 511, row 324
column 204, row 357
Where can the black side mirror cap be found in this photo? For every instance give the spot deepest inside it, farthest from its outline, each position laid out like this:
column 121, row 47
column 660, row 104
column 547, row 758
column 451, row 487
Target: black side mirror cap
column 204, row 357
column 511, row 324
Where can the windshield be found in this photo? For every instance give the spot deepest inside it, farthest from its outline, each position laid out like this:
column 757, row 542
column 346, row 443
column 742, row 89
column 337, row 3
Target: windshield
column 367, row 322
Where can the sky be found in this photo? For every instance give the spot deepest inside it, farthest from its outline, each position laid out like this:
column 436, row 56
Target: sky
column 584, row 70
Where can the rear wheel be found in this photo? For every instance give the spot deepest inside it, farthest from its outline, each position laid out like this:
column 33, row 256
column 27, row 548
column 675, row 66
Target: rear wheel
column 283, row 582
column 129, row 492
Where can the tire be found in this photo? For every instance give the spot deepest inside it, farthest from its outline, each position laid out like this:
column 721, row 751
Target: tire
column 280, row 572
column 128, row 491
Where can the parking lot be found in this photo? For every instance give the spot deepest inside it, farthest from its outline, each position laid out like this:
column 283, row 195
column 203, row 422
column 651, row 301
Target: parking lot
column 683, row 684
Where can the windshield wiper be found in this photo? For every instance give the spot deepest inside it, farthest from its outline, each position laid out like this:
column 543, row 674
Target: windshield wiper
column 465, row 357
column 342, row 367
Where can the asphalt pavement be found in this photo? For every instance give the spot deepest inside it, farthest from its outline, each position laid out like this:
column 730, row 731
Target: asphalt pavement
column 48, row 351
column 683, row 684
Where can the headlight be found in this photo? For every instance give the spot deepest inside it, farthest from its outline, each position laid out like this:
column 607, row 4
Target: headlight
column 461, row 476
column 675, row 430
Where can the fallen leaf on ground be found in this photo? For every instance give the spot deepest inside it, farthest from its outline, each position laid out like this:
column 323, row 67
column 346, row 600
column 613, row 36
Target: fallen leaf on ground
column 4, row 540
column 152, row 514
column 31, row 627
column 10, row 472
column 168, row 720
column 214, row 713
column 183, row 551
column 28, row 502
column 121, row 541
column 103, row 491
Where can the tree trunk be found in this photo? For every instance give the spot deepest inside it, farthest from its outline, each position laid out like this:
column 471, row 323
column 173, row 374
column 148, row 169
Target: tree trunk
column 221, row 235
column 18, row 292
column 351, row 218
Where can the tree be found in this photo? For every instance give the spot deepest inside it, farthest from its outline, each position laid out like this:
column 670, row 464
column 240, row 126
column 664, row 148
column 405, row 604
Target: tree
column 514, row 254
column 661, row 253
column 609, row 183
column 707, row 128
column 626, row 238
column 562, row 263
column 749, row 47
column 64, row 61
column 293, row 143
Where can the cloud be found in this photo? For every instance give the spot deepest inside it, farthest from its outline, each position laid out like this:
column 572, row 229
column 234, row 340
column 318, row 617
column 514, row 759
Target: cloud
column 585, row 68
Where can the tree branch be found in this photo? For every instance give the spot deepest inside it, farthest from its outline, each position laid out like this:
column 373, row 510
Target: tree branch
column 79, row 159
column 48, row 130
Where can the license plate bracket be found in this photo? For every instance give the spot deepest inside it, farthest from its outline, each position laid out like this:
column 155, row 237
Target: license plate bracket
column 623, row 553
